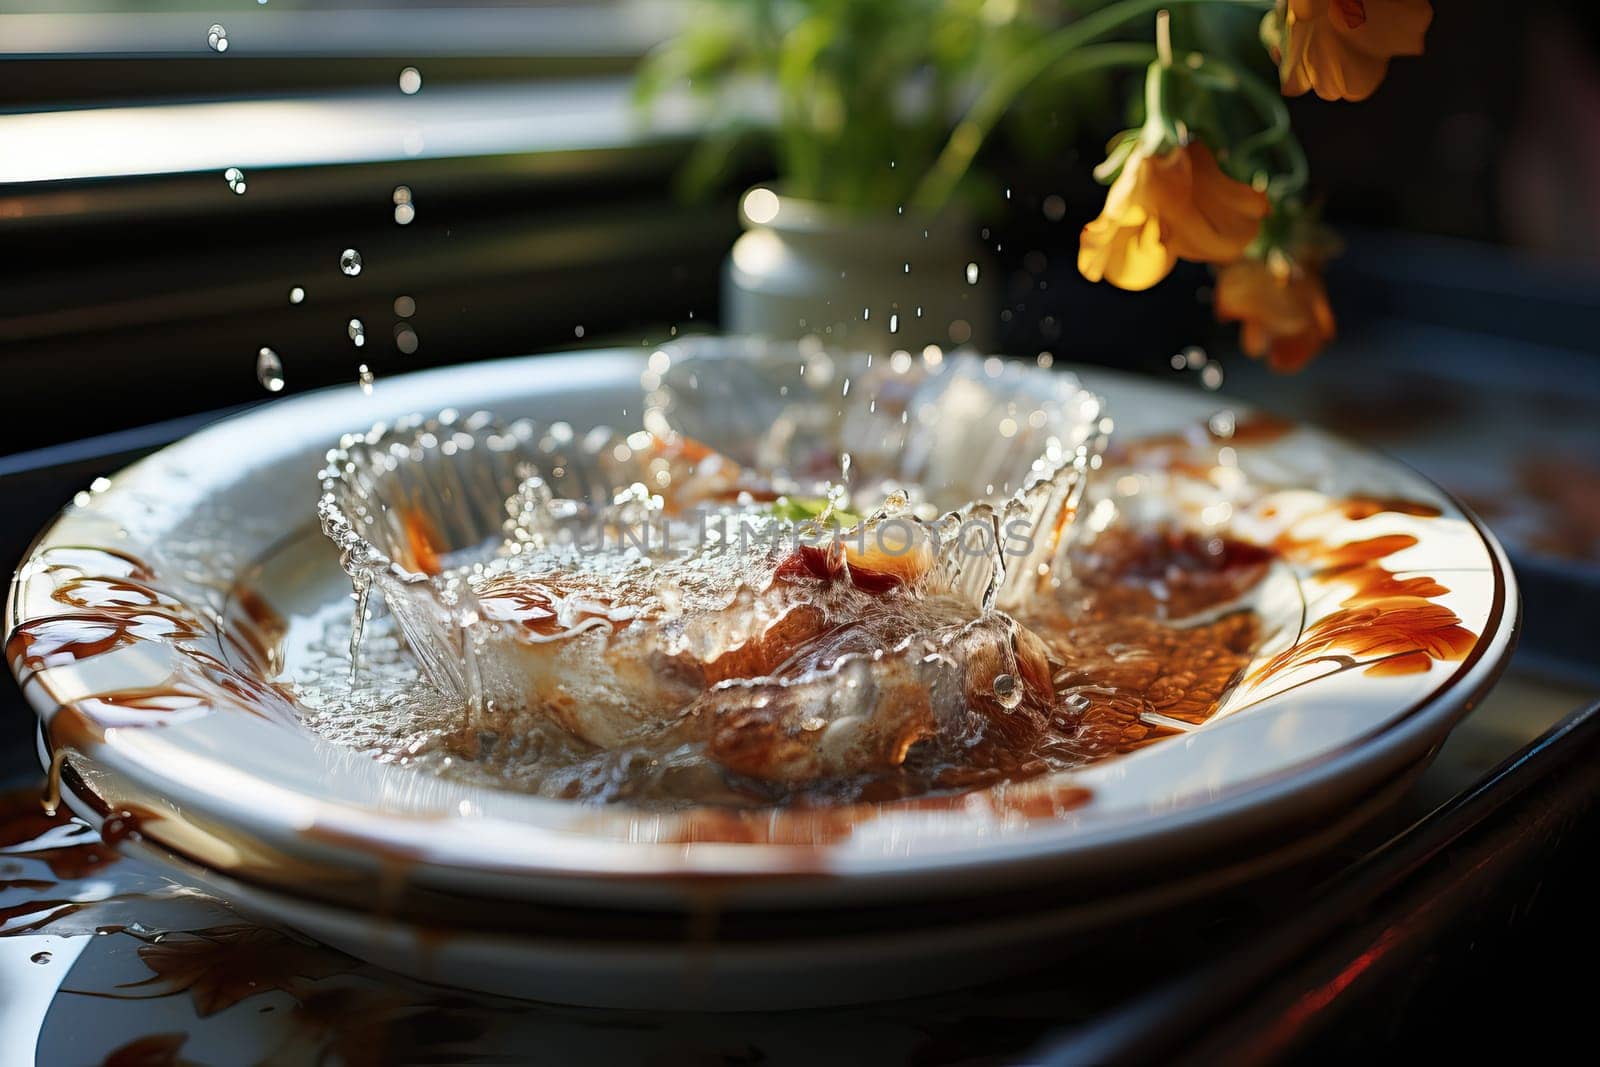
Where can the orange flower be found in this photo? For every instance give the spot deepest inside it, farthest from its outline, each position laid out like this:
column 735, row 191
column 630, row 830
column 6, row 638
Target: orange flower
column 1341, row 48
column 1282, row 305
column 1163, row 208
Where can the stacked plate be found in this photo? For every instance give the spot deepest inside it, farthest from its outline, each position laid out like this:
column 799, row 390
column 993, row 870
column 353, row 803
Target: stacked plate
column 160, row 623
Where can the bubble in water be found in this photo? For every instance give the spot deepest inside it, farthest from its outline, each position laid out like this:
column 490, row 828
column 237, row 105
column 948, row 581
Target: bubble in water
column 41, row 957
column 410, row 80
column 217, row 37
column 357, row 332
column 297, row 295
column 350, row 262
column 1211, row 376
column 269, row 370
column 365, row 378
column 235, row 179
column 972, row 274
column 1007, row 691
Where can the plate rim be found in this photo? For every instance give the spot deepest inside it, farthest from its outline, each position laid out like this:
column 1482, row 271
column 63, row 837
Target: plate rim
column 1403, row 731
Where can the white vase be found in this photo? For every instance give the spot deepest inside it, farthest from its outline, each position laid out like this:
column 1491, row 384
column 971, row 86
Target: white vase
column 802, row 268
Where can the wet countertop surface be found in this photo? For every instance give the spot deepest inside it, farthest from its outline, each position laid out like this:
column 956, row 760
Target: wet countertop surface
column 104, row 960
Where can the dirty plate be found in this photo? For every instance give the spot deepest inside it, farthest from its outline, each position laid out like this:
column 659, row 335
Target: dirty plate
column 157, row 623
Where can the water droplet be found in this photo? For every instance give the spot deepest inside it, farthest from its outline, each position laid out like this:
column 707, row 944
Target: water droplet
column 357, row 332
column 1211, row 376
column 1055, row 208
column 410, row 80
column 1222, row 425
column 41, row 957
column 217, row 37
column 972, row 274
column 894, row 323
column 365, row 378
column 404, row 209
column 269, row 370
column 1007, row 691
column 235, row 179
column 761, row 206
column 350, row 262
column 813, row 724
column 297, row 295
column 577, row 331
column 404, row 307
column 1177, row 361
column 1194, row 357
column 405, row 338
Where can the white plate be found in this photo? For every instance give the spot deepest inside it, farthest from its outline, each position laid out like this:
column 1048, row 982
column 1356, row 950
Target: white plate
column 232, row 782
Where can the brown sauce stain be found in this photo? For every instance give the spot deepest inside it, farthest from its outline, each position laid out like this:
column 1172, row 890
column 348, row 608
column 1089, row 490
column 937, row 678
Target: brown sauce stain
column 1364, row 507
column 68, row 847
column 1390, row 625
column 152, row 1050
column 255, row 629
column 1257, row 428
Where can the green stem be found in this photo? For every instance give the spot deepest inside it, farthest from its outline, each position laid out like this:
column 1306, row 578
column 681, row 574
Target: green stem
column 1268, row 101
column 1054, row 52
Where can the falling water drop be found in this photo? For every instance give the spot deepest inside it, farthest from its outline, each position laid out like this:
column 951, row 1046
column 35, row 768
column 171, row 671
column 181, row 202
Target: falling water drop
column 365, row 378
column 410, row 80
column 404, row 209
column 269, row 370
column 972, row 274
column 297, row 295
column 350, row 262
column 217, row 37
column 235, row 179
column 1007, row 691
column 357, row 332
column 1211, row 376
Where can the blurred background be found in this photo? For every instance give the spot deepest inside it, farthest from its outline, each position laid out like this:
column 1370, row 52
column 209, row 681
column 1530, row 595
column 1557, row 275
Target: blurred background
column 179, row 180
